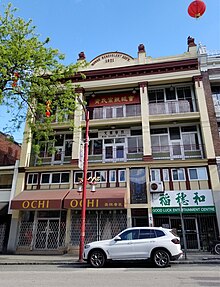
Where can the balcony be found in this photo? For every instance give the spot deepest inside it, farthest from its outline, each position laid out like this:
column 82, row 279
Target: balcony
column 178, row 152
column 172, row 107
column 117, row 154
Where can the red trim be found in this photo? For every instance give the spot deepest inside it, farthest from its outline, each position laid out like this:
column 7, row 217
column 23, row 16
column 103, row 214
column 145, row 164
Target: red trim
column 137, row 70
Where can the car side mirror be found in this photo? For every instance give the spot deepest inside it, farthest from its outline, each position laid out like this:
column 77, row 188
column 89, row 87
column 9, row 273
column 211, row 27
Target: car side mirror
column 117, row 238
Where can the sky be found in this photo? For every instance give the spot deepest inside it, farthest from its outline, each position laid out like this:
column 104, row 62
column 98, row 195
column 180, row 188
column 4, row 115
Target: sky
column 99, row 26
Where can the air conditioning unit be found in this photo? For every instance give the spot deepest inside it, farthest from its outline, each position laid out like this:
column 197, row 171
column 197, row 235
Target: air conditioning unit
column 156, row 186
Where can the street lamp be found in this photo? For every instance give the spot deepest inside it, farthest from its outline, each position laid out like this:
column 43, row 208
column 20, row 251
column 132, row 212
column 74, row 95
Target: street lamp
column 85, row 168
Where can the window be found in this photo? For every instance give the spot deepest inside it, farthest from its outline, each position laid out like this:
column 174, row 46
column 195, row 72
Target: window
column 135, row 145
column 95, row 147
column 32, row 178
column 79, row 175
column 156, row 96
column 98, row 113
column 130, row 234
column 122, row 175
column 166, row 176
column 102, row 175
column 159, row 233
column 199, row 173
column 45, row 178
column 147, row 233
column 155, row 175
column 133, row 110
column 178, row 174
column 48, row 178
column 112, row 176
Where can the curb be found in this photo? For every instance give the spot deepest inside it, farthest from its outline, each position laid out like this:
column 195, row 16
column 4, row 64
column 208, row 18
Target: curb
column 82, row 264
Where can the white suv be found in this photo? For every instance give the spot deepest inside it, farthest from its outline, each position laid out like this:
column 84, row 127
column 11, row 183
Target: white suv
column 158, row 244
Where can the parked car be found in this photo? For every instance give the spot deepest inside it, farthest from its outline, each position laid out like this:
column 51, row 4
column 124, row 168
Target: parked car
column 160, row 245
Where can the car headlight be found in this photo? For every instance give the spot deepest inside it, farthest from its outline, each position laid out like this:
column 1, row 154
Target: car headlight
column 87, row 246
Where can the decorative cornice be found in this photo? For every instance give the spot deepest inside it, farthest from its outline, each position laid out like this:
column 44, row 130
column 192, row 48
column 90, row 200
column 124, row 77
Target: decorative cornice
column 138, row 70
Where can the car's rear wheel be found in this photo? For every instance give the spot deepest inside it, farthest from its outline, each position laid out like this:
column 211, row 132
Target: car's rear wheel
column 161, row 258
column 217, row 248
column 97, row 258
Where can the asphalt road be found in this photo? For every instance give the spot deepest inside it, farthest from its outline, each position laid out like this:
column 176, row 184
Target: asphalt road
column 114, row 276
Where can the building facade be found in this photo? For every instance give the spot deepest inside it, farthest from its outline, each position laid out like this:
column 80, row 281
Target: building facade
column 150, row 146
column 9, row 156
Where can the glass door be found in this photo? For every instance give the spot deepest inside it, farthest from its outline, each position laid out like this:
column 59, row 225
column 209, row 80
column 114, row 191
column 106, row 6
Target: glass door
column 114, row 150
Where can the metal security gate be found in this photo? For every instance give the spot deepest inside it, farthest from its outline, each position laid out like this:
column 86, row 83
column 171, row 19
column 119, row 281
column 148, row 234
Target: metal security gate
column 2, row 236
column 100, row 225
column 199, row 229
column 41, row 231
column 47, row 234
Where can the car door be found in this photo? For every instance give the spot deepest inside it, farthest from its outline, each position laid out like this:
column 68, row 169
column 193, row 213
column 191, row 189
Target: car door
column 144, row 244
column 123, row 249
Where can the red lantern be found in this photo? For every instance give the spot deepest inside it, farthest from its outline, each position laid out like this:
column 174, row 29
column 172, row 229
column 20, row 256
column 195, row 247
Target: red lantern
column 48, row 108
column 47, row 114
column 196, row 9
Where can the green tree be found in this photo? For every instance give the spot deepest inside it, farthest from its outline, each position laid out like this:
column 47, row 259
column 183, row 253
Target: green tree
column 32, row 76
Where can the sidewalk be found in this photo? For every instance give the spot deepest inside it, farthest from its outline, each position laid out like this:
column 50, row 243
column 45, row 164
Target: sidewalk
column 67, row 259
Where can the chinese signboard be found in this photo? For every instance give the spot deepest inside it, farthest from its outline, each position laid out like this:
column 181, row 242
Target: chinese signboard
column 95, row 203
column 192, row 201
column 110, row 100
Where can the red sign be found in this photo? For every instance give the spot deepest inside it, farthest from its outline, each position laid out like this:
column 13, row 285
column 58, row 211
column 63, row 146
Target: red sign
column 111, row 100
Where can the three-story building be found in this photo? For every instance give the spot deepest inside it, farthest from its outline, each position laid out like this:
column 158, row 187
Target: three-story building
column 150, row 145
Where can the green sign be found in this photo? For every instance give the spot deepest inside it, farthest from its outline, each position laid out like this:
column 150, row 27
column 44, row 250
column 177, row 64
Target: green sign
column 186, row 210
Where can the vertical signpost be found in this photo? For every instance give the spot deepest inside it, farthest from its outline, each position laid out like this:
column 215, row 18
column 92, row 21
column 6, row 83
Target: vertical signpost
column 183, row 231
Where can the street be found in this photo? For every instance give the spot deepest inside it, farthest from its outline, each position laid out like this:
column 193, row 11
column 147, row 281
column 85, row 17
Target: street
column 186, row 275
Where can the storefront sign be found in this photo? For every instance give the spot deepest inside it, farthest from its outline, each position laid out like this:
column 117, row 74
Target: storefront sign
column 36, row 204
column 192, row 201
column 95, row 203
column 176, row 210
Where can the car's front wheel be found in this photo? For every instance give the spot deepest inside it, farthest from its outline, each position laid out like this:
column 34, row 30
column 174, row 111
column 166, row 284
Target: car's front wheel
column 161, row 258
column 97, row 258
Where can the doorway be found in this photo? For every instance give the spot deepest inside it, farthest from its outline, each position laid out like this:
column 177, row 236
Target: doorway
column 47, row 234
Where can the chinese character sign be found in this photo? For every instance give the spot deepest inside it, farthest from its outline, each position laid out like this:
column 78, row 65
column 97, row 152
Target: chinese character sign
column 184, row 197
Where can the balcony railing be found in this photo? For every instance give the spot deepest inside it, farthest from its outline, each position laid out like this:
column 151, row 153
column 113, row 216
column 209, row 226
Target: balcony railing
column 175, row 151
column 172, row 107
column 45, row 158
column 117, row 154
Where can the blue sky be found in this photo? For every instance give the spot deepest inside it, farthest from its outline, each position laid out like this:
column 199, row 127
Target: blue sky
column 100, row 26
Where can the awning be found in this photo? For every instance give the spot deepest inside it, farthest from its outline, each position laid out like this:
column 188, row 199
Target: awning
column 102, row 198
column 39, row 199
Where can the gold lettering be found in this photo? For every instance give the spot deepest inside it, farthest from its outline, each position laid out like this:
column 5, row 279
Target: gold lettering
column 34, row 204
column 124, row 99
column 90, row 203
column 117, row 100
column 41, row 203
column 47, row 204
column 74, row 203
column 25, row 204
column 110, row 100
column 131, row 98
column 104, row 101
column 97, row 203
column 97, row 101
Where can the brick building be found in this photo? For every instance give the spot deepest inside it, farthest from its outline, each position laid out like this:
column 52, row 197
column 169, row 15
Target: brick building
column 9, row 155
